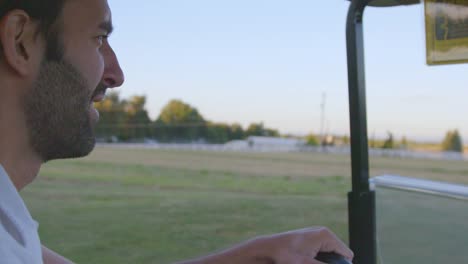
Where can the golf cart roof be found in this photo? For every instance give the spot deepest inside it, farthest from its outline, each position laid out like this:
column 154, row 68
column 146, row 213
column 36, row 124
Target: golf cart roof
column 385, row 3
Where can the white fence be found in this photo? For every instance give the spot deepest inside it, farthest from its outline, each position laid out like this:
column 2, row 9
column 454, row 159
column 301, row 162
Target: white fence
column 329, row 149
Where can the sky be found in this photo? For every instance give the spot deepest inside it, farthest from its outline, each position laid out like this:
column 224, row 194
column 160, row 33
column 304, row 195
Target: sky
column 272, row 61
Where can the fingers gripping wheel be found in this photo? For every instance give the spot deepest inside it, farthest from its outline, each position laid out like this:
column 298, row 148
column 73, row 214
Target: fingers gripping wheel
column 331, row 258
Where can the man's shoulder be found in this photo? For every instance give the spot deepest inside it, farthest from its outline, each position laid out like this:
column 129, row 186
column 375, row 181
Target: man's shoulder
column 19, row 242
column 19, row 239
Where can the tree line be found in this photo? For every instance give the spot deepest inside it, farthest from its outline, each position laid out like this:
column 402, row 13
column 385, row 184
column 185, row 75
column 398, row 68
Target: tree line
column 127, row 120
column 452, row 142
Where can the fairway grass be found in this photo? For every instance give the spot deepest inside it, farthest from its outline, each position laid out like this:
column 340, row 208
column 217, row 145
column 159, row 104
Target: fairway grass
column 160, row 206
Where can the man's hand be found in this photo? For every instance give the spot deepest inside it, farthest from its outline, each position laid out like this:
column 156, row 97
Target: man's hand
column 50, row 257
column 299, row 246
column 302, row 246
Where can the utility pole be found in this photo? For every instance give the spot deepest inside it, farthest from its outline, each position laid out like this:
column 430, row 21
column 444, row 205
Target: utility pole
column 322, row 118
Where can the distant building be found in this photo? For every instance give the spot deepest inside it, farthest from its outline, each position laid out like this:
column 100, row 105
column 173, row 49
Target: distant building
column 274, row 142
column 266, row 143
column 329, row 140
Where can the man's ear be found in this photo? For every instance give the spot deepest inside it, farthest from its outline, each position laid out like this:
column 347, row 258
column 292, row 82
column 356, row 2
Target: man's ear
column 19, row 42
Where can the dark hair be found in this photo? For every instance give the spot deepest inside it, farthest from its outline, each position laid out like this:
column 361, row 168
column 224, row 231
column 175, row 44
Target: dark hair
column 46, row 12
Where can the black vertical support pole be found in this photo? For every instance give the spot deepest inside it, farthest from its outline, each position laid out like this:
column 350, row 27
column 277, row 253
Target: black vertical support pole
column 361, row 200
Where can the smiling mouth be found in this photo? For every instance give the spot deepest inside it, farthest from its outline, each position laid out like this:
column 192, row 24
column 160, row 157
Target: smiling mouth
column 99, row 97
column 99, row 94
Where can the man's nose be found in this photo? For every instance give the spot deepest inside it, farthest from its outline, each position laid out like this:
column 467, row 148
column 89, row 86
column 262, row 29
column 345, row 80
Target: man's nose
column 113, row 75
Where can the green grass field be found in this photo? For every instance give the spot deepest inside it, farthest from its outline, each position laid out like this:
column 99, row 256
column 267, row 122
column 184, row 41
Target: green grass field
column 160, row 206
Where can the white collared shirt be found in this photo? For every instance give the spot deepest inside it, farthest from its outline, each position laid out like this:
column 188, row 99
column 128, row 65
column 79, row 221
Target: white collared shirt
column 19, row 239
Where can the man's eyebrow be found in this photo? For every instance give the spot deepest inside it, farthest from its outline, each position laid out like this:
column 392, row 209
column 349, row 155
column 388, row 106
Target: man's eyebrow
column 107, row 26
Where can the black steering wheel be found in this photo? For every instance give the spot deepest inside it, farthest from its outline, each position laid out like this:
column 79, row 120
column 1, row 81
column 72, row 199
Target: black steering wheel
column 331, row 258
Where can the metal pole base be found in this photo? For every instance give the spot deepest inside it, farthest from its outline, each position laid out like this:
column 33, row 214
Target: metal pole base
column 362, row 227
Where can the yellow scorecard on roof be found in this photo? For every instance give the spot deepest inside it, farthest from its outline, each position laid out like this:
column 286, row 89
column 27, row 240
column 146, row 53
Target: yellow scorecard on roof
column 446, row 31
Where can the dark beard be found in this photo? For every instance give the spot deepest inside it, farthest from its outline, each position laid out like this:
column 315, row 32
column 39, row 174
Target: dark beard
column 57, row 113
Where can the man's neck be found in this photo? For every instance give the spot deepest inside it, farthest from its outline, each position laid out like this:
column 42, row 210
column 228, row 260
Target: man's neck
column 21, row 171
column 16, row 156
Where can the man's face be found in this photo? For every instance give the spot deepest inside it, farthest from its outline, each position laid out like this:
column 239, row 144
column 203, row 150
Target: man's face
column 59, row 108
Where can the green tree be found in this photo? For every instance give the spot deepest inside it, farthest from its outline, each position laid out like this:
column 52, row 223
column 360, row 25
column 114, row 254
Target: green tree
column 217, row 133
column 137, row 121
column 345, row 139
column 388, row 143
column 452, row 141
column 180, row 121
column 135, row 104
column 312, row 140
column 161, row 131
column 236, row 132
column 111, row 116
column 258, row 129
column 178, row 112
column 269, row 132
column 255, row 129
column 126, row 119
column 111, row 109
